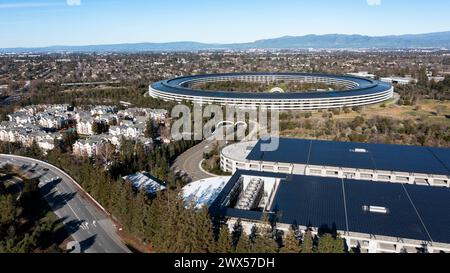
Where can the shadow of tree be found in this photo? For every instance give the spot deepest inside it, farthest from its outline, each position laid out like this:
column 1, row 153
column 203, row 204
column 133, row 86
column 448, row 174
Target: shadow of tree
column 57, row 201
column 73, row 226
column 86, row 244
column 56, row 236
column 48, row 187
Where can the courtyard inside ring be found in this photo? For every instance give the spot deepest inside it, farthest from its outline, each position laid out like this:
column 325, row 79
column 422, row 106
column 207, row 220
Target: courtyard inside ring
column 353, row 91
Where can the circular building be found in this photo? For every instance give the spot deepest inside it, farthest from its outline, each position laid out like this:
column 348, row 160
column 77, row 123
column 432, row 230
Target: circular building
column 334, row 92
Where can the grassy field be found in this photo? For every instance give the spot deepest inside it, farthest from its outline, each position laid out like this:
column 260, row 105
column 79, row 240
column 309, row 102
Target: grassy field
column 337, row 123
column 428, row 110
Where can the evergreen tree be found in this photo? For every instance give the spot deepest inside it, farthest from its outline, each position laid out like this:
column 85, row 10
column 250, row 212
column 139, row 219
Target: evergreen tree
column 328, row 244
column 244, row 244
column 35, row 151
column 153, row 218
column 69, row 138
column 307, row 242
column 125, row 206
column 203, row 231
column 263, row 241
column 7, row 210
column 291, row 244
column 138, row 214
column 237, row 232
column 339, row 245
column 100, row 127
column 224, row 242
column 174, row 232
column 150, row 129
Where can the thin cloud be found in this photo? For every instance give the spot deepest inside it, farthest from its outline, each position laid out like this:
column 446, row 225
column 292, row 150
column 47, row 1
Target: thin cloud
column 26, row 5
column 374, row 2
column 74, row 2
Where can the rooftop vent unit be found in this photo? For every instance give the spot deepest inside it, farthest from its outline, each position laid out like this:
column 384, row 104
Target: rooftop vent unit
column 375, row 209
column 359, row 150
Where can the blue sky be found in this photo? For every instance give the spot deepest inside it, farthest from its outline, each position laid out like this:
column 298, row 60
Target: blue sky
column 30, row 23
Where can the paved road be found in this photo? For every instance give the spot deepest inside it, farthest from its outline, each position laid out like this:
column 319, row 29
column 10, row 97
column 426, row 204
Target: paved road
column 189, row 161
column 88, row 224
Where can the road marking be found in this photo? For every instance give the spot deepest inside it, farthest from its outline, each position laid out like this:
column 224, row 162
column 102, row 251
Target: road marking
column 67, row 203
column 69, row 183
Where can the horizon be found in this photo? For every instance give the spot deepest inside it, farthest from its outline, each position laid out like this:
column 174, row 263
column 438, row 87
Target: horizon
column 215, row 43
column 27, row 24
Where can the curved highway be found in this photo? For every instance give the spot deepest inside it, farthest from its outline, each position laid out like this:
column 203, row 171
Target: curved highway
column 189, row 162
column 86, row 221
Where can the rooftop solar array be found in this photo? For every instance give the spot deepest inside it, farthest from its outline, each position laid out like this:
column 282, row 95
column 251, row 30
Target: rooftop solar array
column 401, row 219
column 399, row 211
column 401, row 158
column 366, row 87
column 433, row 205
column 314, row 204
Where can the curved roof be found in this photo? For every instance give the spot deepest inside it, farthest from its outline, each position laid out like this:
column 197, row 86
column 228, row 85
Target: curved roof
column 365, row 87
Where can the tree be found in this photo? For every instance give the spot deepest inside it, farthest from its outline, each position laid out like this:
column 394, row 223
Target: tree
column 307, row 242
column 7, row 210
column 291, row 244
column 236, row 233
column 69, row 138
column 263, row 241
column 35, row 150
column 422, row 77
column 328, row 244
column 139, row 212
column 358, row 121
column 100, row 127
column 224, row 243
column 203, row 232
column 155, row 215
column 106, row 151
column 244, row 244
column 150, row 129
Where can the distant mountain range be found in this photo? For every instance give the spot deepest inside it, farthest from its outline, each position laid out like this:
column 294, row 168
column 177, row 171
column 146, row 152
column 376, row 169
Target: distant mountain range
column 335, row 41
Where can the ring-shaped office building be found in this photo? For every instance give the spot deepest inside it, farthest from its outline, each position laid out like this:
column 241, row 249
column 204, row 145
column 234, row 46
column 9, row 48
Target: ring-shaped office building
column 355, row 91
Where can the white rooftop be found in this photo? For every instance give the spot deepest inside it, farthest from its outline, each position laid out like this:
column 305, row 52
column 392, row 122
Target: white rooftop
column 239, row 151
column 205, row 191
column 144, row 181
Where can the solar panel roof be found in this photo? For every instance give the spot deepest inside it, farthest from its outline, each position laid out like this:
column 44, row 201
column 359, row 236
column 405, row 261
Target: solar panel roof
column 413, row 212
column 401, row 221
column 366, row 87
column 288, row 149
column 331, row 153
column 443, row 155
column 433, row 206
column 316, row 203
column 400, row 158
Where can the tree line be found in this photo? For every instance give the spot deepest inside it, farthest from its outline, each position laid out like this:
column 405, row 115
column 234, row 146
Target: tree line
column 388, row 130
column 26, row 221
column 424, row 89
column 50, row 93
column 170, row 225
column 166, row 222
